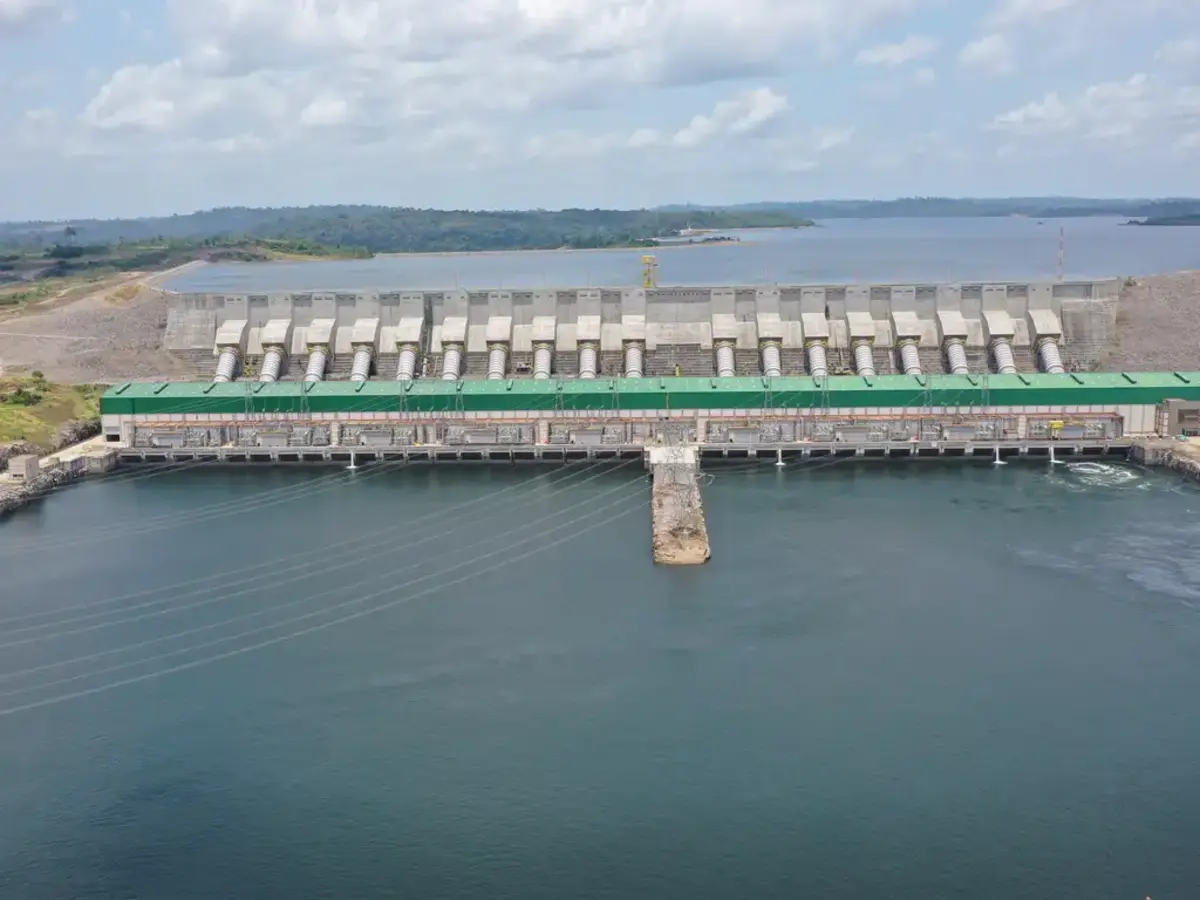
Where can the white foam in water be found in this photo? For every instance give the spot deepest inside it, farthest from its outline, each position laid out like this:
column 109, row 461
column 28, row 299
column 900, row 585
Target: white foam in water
column 1097, row 474
column 1091, row 475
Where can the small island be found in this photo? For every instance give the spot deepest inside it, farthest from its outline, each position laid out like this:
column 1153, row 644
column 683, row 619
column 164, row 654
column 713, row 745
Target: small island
column 1192, row 219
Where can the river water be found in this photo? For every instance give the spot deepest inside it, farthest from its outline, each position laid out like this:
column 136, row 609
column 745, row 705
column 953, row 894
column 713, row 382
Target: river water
column 909, row 681
column 847, row 250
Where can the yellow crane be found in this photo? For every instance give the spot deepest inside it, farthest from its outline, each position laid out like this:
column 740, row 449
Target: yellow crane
column 649, row 271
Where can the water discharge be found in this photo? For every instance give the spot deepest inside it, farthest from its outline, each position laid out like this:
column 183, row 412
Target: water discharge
column 912, row 681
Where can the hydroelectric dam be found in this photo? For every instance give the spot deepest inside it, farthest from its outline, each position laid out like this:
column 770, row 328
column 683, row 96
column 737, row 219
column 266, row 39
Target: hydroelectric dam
column 673, row 376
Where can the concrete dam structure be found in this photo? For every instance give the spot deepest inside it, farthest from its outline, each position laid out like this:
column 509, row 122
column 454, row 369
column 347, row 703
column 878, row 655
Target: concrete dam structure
column 595, row 372
column 587, row 333
column 670, row 376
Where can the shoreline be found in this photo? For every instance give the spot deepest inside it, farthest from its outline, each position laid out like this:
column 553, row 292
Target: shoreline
column 434, row 254
column 438, row 254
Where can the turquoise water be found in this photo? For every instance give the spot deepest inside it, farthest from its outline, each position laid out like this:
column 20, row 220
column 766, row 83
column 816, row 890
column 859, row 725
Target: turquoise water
column 908, row 681
column 879, row 250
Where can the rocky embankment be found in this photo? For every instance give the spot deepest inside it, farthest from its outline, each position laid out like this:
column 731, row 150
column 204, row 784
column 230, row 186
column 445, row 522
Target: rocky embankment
column 75, row 432
column 1179, row 456
column 1158, row 325
column 102, row 338
column 68, row 435
column 13, row 495
column 20, row 448
column 679, row 531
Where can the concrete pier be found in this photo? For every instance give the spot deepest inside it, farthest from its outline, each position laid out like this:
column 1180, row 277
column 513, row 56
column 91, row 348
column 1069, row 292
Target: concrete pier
column 29, row 478
column 680, row 535
column 1181, row 456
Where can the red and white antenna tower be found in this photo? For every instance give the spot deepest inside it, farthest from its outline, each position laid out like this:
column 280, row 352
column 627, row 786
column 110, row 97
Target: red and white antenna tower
column 1062, row 252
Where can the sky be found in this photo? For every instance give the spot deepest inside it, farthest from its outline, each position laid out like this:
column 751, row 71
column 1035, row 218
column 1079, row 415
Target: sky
column 115, row 108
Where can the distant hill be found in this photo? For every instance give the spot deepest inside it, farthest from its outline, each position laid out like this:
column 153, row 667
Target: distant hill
column 951, row 207
column 381, row 229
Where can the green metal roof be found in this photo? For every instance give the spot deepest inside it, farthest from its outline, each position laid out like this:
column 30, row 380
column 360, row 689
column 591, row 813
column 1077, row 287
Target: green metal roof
column 652, row 394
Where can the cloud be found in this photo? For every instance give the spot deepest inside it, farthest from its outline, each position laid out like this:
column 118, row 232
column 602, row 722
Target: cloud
column 1050, row 115
column 897, row 86
column 1183, row 53
column 1139, row 113
column 1009, row 13
column 803, row 151
column 1051, row 31
column 18, row 16
column 784, row 150
column 930, row 148
column 912, row 48
column 743, row 115
column 294, row 65
column 992, row 53
column 1071, row 19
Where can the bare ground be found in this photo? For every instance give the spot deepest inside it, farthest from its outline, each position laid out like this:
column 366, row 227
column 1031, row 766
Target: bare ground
column 1158, row 325
column 110, row 334
column 114, row 333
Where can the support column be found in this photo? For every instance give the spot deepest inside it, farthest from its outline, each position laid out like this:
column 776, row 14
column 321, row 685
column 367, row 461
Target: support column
column 452, row 357
column 272, row 364
column 726, row 367
column 864, row 358
column 634, row 359
column 227, row 365
column 318, row 356
column 497, row 361
column 1049, row 357
column 956, row 356
column 818, row 358
column 361, row 368
column 588, row 359
column 680, row 533
column 1002, row 353
column 772, row 359
column 543, row 356
column 406, row 364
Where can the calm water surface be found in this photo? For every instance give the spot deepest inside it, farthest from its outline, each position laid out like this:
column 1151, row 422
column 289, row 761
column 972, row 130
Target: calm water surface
column 879, row 250
column 909, row 682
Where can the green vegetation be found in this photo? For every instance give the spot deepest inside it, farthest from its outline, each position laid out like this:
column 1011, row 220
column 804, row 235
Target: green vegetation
column 960, row 207
column 30, row 265
column 31, row 272
column 41, row 260
column 32, row 409
column 1193, row 219
column 323, row 231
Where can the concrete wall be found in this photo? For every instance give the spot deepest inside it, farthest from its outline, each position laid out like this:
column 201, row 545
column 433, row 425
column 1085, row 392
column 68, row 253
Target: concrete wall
column 1081, row 314
column 625, row 427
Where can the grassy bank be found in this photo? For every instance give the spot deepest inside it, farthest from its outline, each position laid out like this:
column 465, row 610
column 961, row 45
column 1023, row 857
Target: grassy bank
column 32, row 409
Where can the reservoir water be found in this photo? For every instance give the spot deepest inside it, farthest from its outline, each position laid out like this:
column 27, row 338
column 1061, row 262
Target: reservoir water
column 909, row 682
column 840, row 251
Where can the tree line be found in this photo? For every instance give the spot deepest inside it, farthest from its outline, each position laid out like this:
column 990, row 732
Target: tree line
column 969, row 207
column 374, row 229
